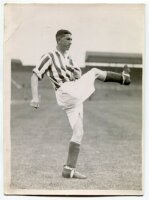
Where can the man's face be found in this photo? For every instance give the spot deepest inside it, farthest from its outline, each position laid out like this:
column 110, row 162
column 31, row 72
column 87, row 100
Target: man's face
column 65, row 42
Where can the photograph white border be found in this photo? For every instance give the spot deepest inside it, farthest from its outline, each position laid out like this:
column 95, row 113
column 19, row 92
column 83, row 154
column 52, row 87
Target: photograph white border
column 145, row 100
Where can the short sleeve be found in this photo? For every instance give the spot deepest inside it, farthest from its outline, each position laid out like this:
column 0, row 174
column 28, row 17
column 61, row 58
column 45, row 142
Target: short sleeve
column 43, row 65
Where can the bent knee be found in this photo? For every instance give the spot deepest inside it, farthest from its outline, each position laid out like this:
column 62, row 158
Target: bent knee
column 100, row 74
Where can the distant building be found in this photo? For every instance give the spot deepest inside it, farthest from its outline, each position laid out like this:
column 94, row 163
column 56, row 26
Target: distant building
column 115, row 62
column 17, row 65
column 112, row 59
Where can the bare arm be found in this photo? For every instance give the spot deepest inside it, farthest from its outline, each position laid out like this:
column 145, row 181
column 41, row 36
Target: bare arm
column 34, row 88
column 38, row 74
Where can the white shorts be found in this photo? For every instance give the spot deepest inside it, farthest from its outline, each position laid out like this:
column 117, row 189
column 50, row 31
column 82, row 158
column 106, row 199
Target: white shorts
column 71, row 95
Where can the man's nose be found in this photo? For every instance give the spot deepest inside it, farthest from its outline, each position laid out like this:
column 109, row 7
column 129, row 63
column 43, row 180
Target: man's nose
column 70, row 41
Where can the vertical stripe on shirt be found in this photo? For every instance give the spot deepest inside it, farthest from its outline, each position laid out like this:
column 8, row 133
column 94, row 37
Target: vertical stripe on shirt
column 60, row 61
column 43, row 62
column 58, row 69
column 54, row 81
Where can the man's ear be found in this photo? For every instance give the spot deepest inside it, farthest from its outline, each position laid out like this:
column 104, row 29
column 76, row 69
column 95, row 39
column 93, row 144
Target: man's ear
column 58, row 39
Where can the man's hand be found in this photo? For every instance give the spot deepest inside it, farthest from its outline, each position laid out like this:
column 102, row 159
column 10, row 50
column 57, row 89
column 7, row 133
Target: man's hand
column 34, row 103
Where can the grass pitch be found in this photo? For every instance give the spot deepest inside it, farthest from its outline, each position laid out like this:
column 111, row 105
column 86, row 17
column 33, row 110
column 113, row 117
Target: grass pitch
column 111, row 151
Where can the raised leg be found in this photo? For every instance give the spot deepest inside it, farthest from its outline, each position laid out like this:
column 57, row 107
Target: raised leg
column 109, row 76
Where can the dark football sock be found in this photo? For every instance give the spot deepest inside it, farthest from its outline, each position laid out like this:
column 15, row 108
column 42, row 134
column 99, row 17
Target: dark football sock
column 73, row 152
column 114, row 77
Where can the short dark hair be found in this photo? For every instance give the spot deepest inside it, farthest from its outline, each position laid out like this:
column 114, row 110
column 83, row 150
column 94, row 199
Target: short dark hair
column 61, row 34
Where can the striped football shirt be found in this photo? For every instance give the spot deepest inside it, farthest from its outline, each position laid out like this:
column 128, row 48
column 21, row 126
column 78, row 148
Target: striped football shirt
column 58, row 68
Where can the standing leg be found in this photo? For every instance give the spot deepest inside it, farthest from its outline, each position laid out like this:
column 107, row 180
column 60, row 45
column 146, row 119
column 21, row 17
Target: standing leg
column 74, row 149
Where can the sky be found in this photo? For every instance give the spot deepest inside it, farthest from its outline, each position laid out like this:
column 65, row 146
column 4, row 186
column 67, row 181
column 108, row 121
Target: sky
column 30, row 29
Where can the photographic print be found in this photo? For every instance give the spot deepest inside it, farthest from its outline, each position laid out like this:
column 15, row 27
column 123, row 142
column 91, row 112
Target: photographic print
column 73, row 90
